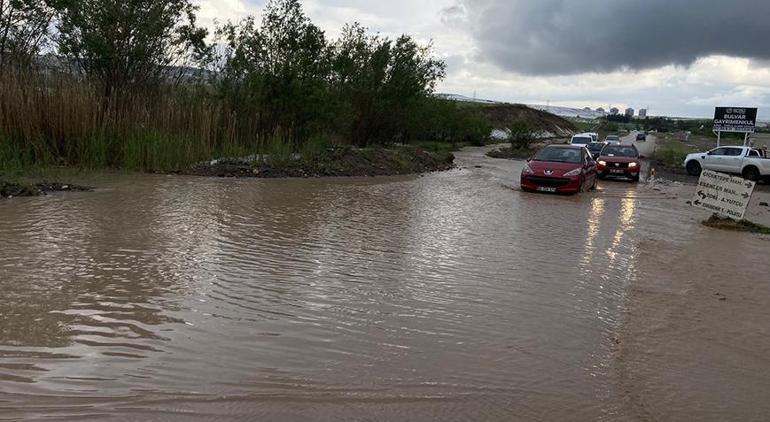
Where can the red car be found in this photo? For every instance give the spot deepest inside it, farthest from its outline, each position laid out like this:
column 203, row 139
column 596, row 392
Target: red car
column 560, row 169
column 619, row 161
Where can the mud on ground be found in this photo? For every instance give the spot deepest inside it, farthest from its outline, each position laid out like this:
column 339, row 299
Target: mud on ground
column 334, row 162
column 10, row 190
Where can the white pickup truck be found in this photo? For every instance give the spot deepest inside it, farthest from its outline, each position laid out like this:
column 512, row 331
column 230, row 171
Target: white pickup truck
column 748, row 162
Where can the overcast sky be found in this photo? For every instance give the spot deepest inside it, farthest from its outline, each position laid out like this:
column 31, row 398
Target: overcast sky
column 677, row 57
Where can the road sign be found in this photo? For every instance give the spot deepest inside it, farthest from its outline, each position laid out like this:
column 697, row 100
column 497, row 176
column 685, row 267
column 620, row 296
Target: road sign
column 735, row 119
column 723, row 194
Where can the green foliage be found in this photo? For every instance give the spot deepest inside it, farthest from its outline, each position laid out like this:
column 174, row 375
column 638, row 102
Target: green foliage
column 278, row 71
column 672, row 153
column 365, row 89
column 448, row 121
column 521, row 136
column 584, row 125
column 700, row 127
column 129, row 43
column 278, row 87
column 25, row 27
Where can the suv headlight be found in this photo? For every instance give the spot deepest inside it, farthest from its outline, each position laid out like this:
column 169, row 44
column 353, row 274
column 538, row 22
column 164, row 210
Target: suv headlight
column 602, row 163
column 632, row 165
column 575, row 172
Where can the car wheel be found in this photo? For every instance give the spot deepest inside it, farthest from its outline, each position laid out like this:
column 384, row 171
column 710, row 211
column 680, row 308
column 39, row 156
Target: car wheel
column 751, row 173
column 593, row 187
column 582, row 185
column 693, row 168
column 635, row 179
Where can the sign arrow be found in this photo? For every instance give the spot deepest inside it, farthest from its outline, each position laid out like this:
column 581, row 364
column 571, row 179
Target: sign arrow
column 745, row 195
column 701, row 194
column 697, row 202
column 748, row 185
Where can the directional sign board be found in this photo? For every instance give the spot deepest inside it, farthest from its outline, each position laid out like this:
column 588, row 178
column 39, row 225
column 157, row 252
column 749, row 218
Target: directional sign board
column 723, row 194
column 735, row 119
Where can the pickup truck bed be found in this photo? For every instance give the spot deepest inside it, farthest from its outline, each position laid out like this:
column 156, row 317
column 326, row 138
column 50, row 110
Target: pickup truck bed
column 745, row 161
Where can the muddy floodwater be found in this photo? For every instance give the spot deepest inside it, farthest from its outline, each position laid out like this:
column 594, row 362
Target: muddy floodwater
column 452, row 296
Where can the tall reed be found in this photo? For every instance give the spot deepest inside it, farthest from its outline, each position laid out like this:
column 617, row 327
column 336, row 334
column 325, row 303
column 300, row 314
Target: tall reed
column 52, row 119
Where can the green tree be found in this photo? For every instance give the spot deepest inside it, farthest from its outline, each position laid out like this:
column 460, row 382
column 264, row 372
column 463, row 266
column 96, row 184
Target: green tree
column 359, row 67
column 384, row 85
column 282, row 67
column 521, row 135
column 24, row 28
column 129, row 43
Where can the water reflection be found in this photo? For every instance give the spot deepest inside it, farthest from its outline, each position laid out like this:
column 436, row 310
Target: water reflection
column 402, row 294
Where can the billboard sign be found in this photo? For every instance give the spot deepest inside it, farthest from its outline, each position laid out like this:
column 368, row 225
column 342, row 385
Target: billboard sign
column 735, row 119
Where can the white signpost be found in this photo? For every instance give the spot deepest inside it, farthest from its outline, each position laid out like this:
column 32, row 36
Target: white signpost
column 723, row 194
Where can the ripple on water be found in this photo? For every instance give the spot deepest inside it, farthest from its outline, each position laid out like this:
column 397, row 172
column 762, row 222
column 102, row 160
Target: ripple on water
column 449, row 296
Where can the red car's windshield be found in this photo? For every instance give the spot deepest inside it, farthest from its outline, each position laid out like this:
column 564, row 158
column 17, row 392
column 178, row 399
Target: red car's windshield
column 559, row 155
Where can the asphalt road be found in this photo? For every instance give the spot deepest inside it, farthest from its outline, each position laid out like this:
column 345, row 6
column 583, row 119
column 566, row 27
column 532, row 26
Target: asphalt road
column 646, row 149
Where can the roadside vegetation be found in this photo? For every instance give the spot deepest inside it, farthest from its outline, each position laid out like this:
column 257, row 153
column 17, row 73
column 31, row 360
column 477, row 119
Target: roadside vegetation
column 136, row 85
column 13, row 189
column 522, row 139
column 670, row 153
column 725, row 223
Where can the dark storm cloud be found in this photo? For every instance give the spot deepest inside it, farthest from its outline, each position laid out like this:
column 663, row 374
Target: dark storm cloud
column 575, row 36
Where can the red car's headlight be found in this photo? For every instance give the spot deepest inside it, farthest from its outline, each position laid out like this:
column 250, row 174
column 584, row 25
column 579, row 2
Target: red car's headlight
column 575, row 172
column 527, row 170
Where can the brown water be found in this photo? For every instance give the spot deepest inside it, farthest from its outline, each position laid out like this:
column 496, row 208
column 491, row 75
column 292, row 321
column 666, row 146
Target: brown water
column 452, row 296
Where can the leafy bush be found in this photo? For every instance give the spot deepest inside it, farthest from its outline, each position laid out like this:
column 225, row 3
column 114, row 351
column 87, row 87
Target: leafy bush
column 672, row 153
column 521, row 136
column 128, row 99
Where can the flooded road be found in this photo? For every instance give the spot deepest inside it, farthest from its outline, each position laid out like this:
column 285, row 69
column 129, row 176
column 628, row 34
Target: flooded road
column 452, row 296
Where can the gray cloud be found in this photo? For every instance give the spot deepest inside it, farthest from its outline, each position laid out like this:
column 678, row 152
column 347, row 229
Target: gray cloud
column 454, row 15
column 561, row 37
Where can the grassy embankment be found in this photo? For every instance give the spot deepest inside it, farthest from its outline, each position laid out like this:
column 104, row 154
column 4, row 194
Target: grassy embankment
column 741, row 226
column 529, row 129
column 53, row 123
column 277, row 89
column 670, row 153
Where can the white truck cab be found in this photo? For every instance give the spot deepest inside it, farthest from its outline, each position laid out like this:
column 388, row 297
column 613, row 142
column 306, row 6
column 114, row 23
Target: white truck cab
column 746, row 161
column 581, row 139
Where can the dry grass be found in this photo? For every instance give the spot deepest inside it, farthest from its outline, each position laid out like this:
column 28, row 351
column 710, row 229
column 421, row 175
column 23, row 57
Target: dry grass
column 59, row 120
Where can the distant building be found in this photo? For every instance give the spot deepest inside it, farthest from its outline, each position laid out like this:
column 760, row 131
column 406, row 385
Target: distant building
column 600, row 110
column 643, row 113
column 614, row 111
column 586, row 108
column 630, row 112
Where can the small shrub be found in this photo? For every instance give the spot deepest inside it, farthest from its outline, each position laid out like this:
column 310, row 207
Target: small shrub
column 672, row 154
column 521, row 136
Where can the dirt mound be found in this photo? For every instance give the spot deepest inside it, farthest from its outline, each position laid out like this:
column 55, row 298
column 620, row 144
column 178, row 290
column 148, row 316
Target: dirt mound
column 544, row 124
column 10, row 190
column 346, row 161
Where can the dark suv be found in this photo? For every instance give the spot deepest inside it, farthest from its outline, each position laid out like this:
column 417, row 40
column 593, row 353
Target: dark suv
column 641, row 137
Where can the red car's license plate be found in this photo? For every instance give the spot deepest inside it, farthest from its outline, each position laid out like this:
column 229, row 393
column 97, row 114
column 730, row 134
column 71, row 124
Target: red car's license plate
column 545, row 189
column 617, row 171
